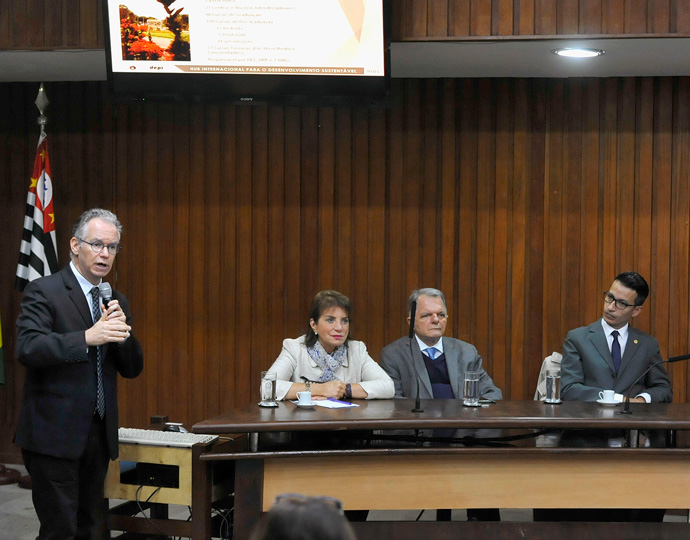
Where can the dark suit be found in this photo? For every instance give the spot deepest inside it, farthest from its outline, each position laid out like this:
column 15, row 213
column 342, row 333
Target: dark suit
column 57, row 426
column 587, row 367
column 406, row 366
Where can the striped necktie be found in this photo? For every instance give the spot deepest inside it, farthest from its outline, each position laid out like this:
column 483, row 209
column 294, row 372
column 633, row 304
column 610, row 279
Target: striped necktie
column 100, row 395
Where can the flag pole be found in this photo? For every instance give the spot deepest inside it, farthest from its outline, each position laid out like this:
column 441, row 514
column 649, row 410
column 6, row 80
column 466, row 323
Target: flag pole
column 42, row 104
column 10, row 476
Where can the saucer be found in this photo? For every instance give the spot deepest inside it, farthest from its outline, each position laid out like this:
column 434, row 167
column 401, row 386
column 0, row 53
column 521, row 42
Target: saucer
column 609, row 403
column 305, row 405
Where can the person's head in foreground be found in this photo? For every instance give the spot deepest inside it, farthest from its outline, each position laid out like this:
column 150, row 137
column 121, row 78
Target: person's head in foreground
column 298, row 517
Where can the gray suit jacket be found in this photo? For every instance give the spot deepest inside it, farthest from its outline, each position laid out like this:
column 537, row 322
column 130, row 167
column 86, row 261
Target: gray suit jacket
column 406, row 368
column 587, row 367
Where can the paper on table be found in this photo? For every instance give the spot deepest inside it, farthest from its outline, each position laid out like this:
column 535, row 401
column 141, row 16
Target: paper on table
column 334, row 404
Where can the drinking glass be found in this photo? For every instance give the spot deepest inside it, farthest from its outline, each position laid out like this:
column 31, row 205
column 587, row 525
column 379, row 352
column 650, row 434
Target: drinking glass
column 268, row 389
column 470, row 396
column 553, row 386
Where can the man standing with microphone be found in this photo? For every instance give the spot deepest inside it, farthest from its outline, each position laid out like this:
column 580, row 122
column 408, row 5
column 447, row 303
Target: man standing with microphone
column 73, row 347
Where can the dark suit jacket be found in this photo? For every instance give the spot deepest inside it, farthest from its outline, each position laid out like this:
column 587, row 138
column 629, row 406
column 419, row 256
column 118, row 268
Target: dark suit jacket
column 60, row 387
column 587, row 366
column 406, row 366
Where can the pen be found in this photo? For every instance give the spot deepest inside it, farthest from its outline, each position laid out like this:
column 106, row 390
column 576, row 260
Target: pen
column 486, row 400
column 339, row 401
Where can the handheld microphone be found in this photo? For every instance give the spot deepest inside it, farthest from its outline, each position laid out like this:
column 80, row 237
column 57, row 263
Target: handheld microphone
column 106, row 293
column 413, row 314
column 626, row 408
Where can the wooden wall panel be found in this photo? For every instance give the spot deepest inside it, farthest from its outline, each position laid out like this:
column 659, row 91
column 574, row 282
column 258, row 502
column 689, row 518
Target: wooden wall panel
column 421, row 19
column 521, row 199
column 525, row 17
column 681, row 16
column 66, row 24
column 458, row 17
column 590, row 17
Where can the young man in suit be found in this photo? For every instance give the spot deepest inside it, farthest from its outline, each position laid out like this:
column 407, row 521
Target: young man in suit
column 609, row 354
column 434, row 366
column 73, row 348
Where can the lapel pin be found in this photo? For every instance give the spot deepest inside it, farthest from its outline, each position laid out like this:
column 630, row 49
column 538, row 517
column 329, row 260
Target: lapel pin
column 635, row 342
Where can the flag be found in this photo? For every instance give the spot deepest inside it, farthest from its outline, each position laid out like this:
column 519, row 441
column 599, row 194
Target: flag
column 2, row 358
column 38, row 251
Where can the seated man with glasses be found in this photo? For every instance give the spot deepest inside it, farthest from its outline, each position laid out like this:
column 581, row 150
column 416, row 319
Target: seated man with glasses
column 609, row 354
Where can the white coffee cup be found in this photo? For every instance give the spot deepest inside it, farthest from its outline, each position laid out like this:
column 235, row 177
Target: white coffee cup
column 607, row 395
column 304, row 398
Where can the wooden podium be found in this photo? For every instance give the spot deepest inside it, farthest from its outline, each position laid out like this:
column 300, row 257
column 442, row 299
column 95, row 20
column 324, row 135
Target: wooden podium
column 199, row 486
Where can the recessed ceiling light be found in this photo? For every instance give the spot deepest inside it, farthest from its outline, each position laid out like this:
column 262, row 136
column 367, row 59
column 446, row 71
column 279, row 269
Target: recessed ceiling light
column 578, row 52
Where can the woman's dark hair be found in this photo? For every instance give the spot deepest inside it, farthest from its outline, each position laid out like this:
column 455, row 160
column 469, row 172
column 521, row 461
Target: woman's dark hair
column 303, row 518
column 322, row 301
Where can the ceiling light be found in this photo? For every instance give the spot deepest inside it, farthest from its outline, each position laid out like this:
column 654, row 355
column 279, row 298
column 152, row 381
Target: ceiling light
column 578, row 52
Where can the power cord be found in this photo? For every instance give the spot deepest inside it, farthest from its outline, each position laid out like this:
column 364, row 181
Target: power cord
column 225, row 529
column 142, row 510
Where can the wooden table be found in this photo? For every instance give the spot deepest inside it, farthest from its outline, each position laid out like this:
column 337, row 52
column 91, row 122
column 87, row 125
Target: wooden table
column 308, row 451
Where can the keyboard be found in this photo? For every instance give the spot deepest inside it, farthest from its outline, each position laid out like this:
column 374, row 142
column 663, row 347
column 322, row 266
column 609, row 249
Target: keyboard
column 162, row 438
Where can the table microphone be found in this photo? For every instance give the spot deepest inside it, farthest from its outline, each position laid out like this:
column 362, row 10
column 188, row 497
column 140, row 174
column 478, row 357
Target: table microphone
column 626, row 407
column 413, row 314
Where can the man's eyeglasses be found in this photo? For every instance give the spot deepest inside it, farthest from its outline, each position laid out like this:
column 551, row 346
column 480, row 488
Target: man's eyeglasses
column 298, row 498
column 98, row 246
column 620, row 304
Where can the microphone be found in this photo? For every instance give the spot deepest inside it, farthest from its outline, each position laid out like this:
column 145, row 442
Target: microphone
column 106, row 292
column 413, row 314
column 626, row 408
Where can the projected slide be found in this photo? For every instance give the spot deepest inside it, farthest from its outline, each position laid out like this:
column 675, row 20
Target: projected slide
column 263, row 37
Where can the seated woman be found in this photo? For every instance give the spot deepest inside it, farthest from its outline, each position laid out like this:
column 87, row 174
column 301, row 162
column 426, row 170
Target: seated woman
column 326, row 361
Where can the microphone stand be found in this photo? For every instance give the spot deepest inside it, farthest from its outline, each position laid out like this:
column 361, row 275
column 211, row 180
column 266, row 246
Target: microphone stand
column 413, row 313
column 626, row 407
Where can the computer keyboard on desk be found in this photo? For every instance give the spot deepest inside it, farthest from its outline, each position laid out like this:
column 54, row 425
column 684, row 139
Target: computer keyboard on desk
column 162, row 438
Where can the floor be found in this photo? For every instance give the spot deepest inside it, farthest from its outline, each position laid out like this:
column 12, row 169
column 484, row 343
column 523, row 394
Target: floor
column 18, row 520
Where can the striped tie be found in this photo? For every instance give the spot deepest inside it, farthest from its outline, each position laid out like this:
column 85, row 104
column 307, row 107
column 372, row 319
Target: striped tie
column 96, row 312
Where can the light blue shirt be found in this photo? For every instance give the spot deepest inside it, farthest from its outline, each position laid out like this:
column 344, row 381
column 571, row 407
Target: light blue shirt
column 423, row 346
column 84, row 283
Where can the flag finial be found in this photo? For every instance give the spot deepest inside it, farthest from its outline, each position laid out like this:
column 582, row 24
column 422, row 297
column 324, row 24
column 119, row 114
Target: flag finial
column 42, row 104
